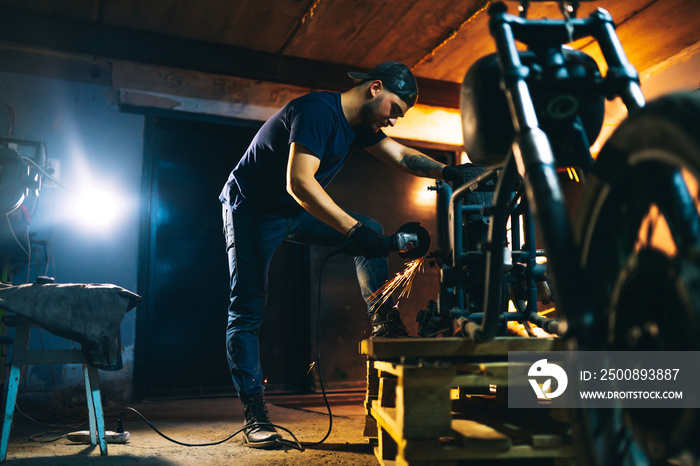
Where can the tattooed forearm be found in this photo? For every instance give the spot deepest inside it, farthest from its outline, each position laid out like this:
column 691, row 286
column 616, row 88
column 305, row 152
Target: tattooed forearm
column 421, row 165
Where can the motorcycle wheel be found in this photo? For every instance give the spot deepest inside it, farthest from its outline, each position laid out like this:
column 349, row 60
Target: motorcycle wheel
column 638, row 226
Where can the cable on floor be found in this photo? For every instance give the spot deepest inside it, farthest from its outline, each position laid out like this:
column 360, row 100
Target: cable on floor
column 64, row 430
column 120, row 429
column 293, row 444
column 318, row 351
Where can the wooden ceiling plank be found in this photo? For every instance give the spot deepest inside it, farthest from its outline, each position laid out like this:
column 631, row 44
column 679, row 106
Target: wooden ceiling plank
column 308, row 14
column 655, row 35
column 335, row 36
column 257, row 25
column 453, row 33
column 368, row 32
column 459, row 54
column 662, row 19
column 658, row 35
column 141, row 47
column 360, row 33
column 76, row 9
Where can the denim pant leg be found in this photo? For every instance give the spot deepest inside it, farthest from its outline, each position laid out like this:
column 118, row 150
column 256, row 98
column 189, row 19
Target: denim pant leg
column 371, row 273
column 250, row 242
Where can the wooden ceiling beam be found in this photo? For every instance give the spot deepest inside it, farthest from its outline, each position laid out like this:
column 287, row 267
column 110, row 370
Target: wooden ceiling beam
column 307, row 14
column 99, row 40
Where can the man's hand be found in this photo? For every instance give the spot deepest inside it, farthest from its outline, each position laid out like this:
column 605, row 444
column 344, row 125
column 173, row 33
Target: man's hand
column 368, row 242
column 461, row 174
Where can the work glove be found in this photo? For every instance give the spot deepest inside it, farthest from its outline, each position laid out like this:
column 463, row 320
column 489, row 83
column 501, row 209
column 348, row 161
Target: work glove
column 461, row 173
column 367, row 242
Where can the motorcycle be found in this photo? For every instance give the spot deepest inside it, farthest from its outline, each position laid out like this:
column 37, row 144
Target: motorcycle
column 624, row 268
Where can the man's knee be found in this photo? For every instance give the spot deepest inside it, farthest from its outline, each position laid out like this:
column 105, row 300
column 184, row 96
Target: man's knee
column 246, row 311
column 245, row 322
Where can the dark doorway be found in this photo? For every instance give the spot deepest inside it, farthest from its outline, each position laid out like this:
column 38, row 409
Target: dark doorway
column 183, row 274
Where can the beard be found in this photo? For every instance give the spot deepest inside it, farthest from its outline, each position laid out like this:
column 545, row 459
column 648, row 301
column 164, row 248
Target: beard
column 368, row 115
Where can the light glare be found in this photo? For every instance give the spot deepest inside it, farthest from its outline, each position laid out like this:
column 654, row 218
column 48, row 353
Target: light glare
column 98, row 208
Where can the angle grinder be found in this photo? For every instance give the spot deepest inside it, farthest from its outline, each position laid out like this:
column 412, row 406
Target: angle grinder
column 411, row 241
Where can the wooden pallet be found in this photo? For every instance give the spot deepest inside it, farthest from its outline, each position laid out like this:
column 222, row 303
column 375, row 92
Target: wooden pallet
column 411, row 384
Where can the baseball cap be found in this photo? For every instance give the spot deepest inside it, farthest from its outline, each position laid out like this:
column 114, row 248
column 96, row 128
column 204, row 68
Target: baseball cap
column 394, row 75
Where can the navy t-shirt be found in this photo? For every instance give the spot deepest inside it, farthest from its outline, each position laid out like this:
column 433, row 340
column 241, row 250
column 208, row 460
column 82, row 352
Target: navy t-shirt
column 315, row 120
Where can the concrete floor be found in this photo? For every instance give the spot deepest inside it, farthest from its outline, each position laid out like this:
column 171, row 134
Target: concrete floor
column 209, row 420
column 204, row 421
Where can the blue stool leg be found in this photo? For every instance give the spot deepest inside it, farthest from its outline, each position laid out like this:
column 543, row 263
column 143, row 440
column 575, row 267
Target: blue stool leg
column 91, row 406
column 18, row 352
column 94, row 400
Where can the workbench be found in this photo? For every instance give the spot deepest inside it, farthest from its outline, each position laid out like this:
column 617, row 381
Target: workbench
column 444, row 400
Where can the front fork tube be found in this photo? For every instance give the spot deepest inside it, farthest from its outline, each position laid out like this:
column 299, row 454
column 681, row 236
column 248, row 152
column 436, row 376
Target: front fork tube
column 535, row 161
column 619, row 68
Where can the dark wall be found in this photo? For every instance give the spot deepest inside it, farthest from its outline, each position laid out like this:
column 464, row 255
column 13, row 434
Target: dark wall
column 183, row 271
column 97, row 145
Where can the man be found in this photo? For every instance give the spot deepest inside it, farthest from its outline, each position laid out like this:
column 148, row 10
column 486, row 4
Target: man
column 276, row 193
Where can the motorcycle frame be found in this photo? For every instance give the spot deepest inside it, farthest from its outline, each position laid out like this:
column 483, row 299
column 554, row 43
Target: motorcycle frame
column 530, row 167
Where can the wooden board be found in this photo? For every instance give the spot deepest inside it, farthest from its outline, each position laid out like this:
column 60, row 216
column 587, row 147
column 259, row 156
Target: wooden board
column 388, row 349
column 469, row 440
column 413, row 420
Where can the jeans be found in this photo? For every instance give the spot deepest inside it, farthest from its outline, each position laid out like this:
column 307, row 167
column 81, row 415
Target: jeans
column 251, row 240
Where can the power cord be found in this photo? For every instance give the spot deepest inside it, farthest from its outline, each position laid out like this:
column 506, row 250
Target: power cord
column 318, row 350
column 120, row 430
column 293, row 444
column 57, row 434
column 73, row 426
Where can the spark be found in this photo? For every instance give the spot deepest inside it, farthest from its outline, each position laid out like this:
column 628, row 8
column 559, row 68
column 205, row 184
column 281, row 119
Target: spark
column 572, row 174
column 402, row 280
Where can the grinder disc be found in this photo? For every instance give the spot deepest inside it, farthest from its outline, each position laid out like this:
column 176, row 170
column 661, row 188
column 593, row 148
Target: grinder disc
column 423, row 240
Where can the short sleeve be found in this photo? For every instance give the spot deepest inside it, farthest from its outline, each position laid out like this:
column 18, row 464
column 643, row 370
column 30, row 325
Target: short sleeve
column 366, row 138
column 311, row 124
